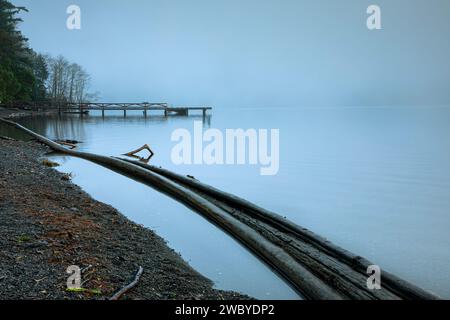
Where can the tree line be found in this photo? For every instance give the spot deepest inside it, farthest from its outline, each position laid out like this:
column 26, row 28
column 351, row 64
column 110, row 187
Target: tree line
column 28, row 76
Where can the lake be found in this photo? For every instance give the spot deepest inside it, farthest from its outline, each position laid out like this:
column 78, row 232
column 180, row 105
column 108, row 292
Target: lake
column 375, row 181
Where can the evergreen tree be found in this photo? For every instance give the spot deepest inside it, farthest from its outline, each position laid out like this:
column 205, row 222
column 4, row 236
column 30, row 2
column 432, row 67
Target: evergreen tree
column 28, row 76
column 17, row 79
column 40, row 73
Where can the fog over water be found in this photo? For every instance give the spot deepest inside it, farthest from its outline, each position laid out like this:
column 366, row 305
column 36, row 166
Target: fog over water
column 363, row 118
column 375, row 181
column 253, row 53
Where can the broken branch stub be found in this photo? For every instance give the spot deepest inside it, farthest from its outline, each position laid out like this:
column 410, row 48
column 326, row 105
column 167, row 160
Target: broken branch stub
column 134, row 153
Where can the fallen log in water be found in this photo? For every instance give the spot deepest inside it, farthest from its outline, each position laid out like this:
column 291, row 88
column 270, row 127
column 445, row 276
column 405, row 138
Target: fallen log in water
column 296, row 274
column 311, row 264
column 319, row 247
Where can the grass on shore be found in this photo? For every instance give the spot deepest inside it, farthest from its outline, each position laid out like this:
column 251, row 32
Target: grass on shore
column 49, row 163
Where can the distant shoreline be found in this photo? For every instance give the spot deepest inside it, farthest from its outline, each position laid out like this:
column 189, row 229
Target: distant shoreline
column 17, row 113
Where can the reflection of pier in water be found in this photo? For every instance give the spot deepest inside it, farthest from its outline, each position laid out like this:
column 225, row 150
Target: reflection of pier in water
column 144, row 107
column 136, row 117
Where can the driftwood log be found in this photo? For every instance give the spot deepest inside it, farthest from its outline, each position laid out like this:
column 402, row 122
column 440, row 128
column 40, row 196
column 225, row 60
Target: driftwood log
column 346, row 270
column 311, row 264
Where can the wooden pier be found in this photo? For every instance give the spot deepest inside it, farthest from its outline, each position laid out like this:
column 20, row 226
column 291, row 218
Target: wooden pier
column 83, row 108
column 145, row 107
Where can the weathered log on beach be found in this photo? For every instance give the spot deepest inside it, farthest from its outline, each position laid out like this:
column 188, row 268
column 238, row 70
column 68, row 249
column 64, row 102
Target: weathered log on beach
column 302, row 279
column 311, row 264
column 318, row 244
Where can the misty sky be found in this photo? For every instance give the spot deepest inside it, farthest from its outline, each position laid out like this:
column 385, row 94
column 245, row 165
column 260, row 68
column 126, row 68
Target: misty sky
column 253, row 53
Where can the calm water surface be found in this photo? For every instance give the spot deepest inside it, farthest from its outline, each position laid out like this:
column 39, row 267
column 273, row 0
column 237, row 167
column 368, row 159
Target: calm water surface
column 374, row 180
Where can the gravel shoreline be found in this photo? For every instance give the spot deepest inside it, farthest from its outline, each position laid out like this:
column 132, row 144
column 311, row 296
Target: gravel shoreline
column 48, row 224
column 16, row 113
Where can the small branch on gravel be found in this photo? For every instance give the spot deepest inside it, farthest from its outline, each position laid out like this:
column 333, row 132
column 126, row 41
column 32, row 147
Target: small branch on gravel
column 7, row 138
column 39, row 280
column 128, row 287
column 86, row 269
column 86, row 280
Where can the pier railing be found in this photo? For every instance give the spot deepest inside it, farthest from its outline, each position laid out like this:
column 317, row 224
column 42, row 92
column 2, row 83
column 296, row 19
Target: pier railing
column 85, row 107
